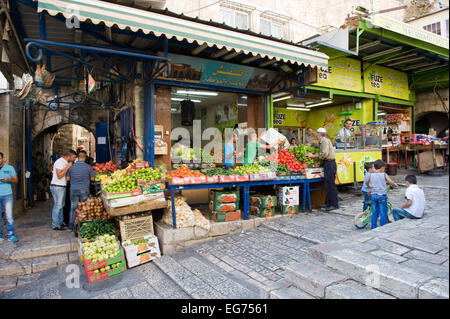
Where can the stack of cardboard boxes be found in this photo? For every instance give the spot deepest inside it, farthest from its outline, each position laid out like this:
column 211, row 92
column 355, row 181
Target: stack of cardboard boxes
column 289, row 200
column 263, row 205
column 224, row 205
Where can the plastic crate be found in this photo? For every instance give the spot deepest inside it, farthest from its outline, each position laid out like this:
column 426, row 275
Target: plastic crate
column 136, row 227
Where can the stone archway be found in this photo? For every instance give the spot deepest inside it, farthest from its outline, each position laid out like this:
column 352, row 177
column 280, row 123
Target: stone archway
column 436, row 120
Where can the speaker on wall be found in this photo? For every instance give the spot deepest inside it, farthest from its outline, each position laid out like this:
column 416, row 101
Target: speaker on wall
column 187, row 112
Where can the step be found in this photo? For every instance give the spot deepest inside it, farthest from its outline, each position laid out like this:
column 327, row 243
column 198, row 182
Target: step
column 312, row 276
column 290, row 293
column 35, row 265
column 351, row 289
column 395, row 279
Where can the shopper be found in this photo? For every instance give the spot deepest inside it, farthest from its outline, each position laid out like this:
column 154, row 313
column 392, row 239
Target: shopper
column 8, row 177
column 39, row 177
column 376, row 183
column 79, row 175
column 327, row 154
column 229, row 152
column 415, row 201
column 293, row 143
column 58, row 187
column 369, row 169
column 309, row 136
column 253, row 146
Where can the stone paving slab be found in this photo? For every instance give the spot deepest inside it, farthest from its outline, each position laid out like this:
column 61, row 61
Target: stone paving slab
column 431, row 258
column 351, row 289
column 290, row 293
column 428, row 268
column 435, row 289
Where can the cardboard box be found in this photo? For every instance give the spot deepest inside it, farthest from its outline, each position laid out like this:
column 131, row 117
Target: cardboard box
column 262, row 212
column 242, row 178
column 142, row 250
column 289, row 209
column 212, row 179
column 90, row 265
column 224, row 196
column 136, row 192
column 227, row 179
column 223, row 207
column 198, row 179
column 121, row 202
column 92, row 276
column 263, row 201
column 152, row 196
column 289, row 195
column 312, row 173
column 226, row 216
column 153, row 188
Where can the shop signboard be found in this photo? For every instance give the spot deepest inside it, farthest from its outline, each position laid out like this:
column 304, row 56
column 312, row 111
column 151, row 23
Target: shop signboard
column 387, row 82
column 289, row 118
column 344, row 162
column 408, row 30
column 341, row 73
column 203, row 71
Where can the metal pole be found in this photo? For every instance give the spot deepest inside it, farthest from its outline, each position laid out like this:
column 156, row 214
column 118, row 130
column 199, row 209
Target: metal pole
column 28, row 153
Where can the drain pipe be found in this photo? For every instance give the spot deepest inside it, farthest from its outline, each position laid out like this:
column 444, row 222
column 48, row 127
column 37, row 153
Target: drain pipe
column 138, row 97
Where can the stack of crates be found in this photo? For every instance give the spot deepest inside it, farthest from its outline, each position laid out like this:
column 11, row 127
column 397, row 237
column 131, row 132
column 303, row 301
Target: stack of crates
column 289, row 200
column 224, row 205
column 263, row 205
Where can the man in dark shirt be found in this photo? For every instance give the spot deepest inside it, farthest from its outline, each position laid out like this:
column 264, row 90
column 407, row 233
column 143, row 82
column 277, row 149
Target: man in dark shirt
column 79, row 175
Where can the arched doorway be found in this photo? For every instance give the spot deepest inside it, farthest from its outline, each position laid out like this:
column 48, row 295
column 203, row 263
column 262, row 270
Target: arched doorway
column 435, row 120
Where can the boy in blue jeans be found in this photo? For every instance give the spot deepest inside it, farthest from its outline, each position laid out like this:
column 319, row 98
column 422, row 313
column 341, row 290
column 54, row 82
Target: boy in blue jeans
column 376, row 183
column 369, row 168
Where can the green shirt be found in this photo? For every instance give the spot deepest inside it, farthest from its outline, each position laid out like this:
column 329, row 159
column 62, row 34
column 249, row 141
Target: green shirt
column 251, row 152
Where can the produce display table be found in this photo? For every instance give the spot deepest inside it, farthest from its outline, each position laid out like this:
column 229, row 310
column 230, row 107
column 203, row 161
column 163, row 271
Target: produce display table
column 131, row 209
column 245, row 186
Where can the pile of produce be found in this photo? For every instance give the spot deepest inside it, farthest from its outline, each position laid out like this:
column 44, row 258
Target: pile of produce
column 254, row 168
column 184, row 215
column 103, row 248
column 147, row 174
column 104, row 167
column 289, row 160
column 188, row 155
column 92, row 209
column 96, row 228
column 138, row 163
column 394, row 118
column 184, row 171
column 300, row 152
column 125, row 184
column 220, row 171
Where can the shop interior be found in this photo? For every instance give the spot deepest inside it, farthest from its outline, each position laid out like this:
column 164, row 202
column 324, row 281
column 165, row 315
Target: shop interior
column 213, row 108
column 398, row 124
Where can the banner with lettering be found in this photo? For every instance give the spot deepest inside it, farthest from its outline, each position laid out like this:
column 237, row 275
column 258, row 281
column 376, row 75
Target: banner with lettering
column 386, row 82
column 342, row 73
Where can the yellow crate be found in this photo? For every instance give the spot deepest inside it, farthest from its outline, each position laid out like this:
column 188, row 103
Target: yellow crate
column 136, row 227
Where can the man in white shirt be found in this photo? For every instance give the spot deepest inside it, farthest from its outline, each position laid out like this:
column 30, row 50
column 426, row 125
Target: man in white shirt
column 415, row 201
column 58, row 187
column 345, row 133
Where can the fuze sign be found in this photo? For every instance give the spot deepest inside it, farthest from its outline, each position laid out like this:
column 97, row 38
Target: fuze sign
column 341, row 73
column 387, row 82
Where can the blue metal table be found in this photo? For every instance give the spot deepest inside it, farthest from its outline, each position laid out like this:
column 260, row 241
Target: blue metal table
column 245, row 187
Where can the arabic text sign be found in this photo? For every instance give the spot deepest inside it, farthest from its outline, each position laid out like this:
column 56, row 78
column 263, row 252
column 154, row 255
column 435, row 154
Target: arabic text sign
column 226, row 74
column 342, row 73
column 409, row 30
column 387, row 82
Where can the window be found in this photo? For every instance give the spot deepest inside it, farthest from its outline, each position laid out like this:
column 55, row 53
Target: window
column 435, row 28
column 270, row 28
column 235, row 19
column 446, row 28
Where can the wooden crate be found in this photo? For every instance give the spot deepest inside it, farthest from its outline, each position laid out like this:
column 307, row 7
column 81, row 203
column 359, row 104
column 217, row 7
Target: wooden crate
column 131, row 229
column 141, row 207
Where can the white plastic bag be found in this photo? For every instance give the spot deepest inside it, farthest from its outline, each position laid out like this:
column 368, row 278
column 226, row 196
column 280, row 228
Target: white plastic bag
column 183, row 212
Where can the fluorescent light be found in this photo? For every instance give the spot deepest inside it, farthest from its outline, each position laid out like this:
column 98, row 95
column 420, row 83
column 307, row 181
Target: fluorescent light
column 431, row 67
column 317, row 104
column 406, row 61
column 240, row 104
column 381, row 53
column 197, row 93
column 381, row 114
column 296, row 105
column 244, row 97
column 178, row 99
column 298, row 109
column 283, row 98
column 411, row 67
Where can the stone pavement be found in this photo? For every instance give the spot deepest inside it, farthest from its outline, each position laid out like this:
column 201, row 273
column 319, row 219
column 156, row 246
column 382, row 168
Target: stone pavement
column 315, row 255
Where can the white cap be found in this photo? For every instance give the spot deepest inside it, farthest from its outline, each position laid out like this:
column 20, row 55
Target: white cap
column 321, row 130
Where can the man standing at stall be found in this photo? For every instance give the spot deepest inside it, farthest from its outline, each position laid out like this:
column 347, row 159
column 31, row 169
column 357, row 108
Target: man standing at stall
column 327, row 154
column 345, row 133
column 79, row 175
column 58, row 187
column 8, row 177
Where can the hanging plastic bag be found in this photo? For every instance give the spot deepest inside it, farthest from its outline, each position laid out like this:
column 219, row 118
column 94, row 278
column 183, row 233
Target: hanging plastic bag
column 91, row 83
column 38, row 78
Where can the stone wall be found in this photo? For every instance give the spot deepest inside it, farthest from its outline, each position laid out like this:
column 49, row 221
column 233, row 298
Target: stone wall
column 429, row 102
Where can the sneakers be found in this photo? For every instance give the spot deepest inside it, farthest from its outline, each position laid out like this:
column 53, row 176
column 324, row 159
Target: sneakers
column 58, row 228
column 13, row 239
column 330, row 208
